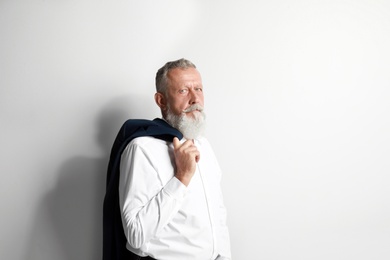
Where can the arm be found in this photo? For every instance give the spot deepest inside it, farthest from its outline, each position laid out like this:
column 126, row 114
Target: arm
column 147, row 204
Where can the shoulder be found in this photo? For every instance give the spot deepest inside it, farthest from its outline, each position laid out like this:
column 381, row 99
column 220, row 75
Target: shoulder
column 203, row 142
column 149, row 150
column 148, row 144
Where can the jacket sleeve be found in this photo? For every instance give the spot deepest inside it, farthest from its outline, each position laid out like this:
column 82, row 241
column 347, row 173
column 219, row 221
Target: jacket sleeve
column 147, row 205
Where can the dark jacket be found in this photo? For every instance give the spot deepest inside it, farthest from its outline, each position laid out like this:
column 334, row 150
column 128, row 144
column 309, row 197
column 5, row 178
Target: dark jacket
column 114, row 239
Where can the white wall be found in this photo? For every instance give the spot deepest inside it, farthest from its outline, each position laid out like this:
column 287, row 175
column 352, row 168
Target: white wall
column 298, row 107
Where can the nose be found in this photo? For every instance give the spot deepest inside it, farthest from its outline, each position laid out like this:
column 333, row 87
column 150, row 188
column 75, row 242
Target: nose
column 194, row 97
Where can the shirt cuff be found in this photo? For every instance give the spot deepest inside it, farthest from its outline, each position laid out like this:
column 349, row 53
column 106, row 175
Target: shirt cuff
column 175, row 188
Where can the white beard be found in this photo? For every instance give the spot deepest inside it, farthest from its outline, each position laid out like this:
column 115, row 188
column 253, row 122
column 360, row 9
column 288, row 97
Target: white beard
column 191, row 128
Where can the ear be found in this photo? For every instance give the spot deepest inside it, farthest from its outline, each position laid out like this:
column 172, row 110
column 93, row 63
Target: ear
column 161, row 101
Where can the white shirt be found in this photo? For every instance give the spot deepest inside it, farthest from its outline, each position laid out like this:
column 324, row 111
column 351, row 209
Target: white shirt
column 161, row 216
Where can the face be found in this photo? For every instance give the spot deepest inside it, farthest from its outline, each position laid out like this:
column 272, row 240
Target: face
column 184, row 90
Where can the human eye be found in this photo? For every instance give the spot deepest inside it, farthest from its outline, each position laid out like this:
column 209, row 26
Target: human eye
column 183, row 91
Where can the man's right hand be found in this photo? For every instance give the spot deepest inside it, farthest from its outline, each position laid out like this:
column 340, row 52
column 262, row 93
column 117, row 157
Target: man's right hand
column 186, row 157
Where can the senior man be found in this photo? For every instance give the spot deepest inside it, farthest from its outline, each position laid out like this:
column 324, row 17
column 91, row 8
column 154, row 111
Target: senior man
column 163, row 183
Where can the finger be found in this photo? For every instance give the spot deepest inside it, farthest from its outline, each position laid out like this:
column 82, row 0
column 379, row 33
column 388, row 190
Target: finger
column 176, row 143
column 196, row 154
column 189, row 147
column 197, row 158
column 189, row 143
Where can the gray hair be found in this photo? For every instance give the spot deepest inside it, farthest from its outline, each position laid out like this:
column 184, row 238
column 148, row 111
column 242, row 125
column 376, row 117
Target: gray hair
column 162, row 73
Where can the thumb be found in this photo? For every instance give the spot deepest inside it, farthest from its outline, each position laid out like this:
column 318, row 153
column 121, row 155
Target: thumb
column 176, row 143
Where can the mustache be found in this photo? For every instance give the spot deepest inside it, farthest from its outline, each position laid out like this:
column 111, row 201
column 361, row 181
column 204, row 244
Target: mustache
column 193, row 108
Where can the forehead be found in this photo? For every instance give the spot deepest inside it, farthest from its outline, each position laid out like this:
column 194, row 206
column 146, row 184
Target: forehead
column 179, row 77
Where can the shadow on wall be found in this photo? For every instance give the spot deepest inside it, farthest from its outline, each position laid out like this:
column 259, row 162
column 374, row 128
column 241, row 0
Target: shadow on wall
column 69, row 220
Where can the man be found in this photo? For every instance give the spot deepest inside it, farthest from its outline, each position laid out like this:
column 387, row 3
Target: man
column 169, row 192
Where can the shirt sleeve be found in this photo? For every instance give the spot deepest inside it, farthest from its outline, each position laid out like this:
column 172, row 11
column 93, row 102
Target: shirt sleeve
column 147, row 205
